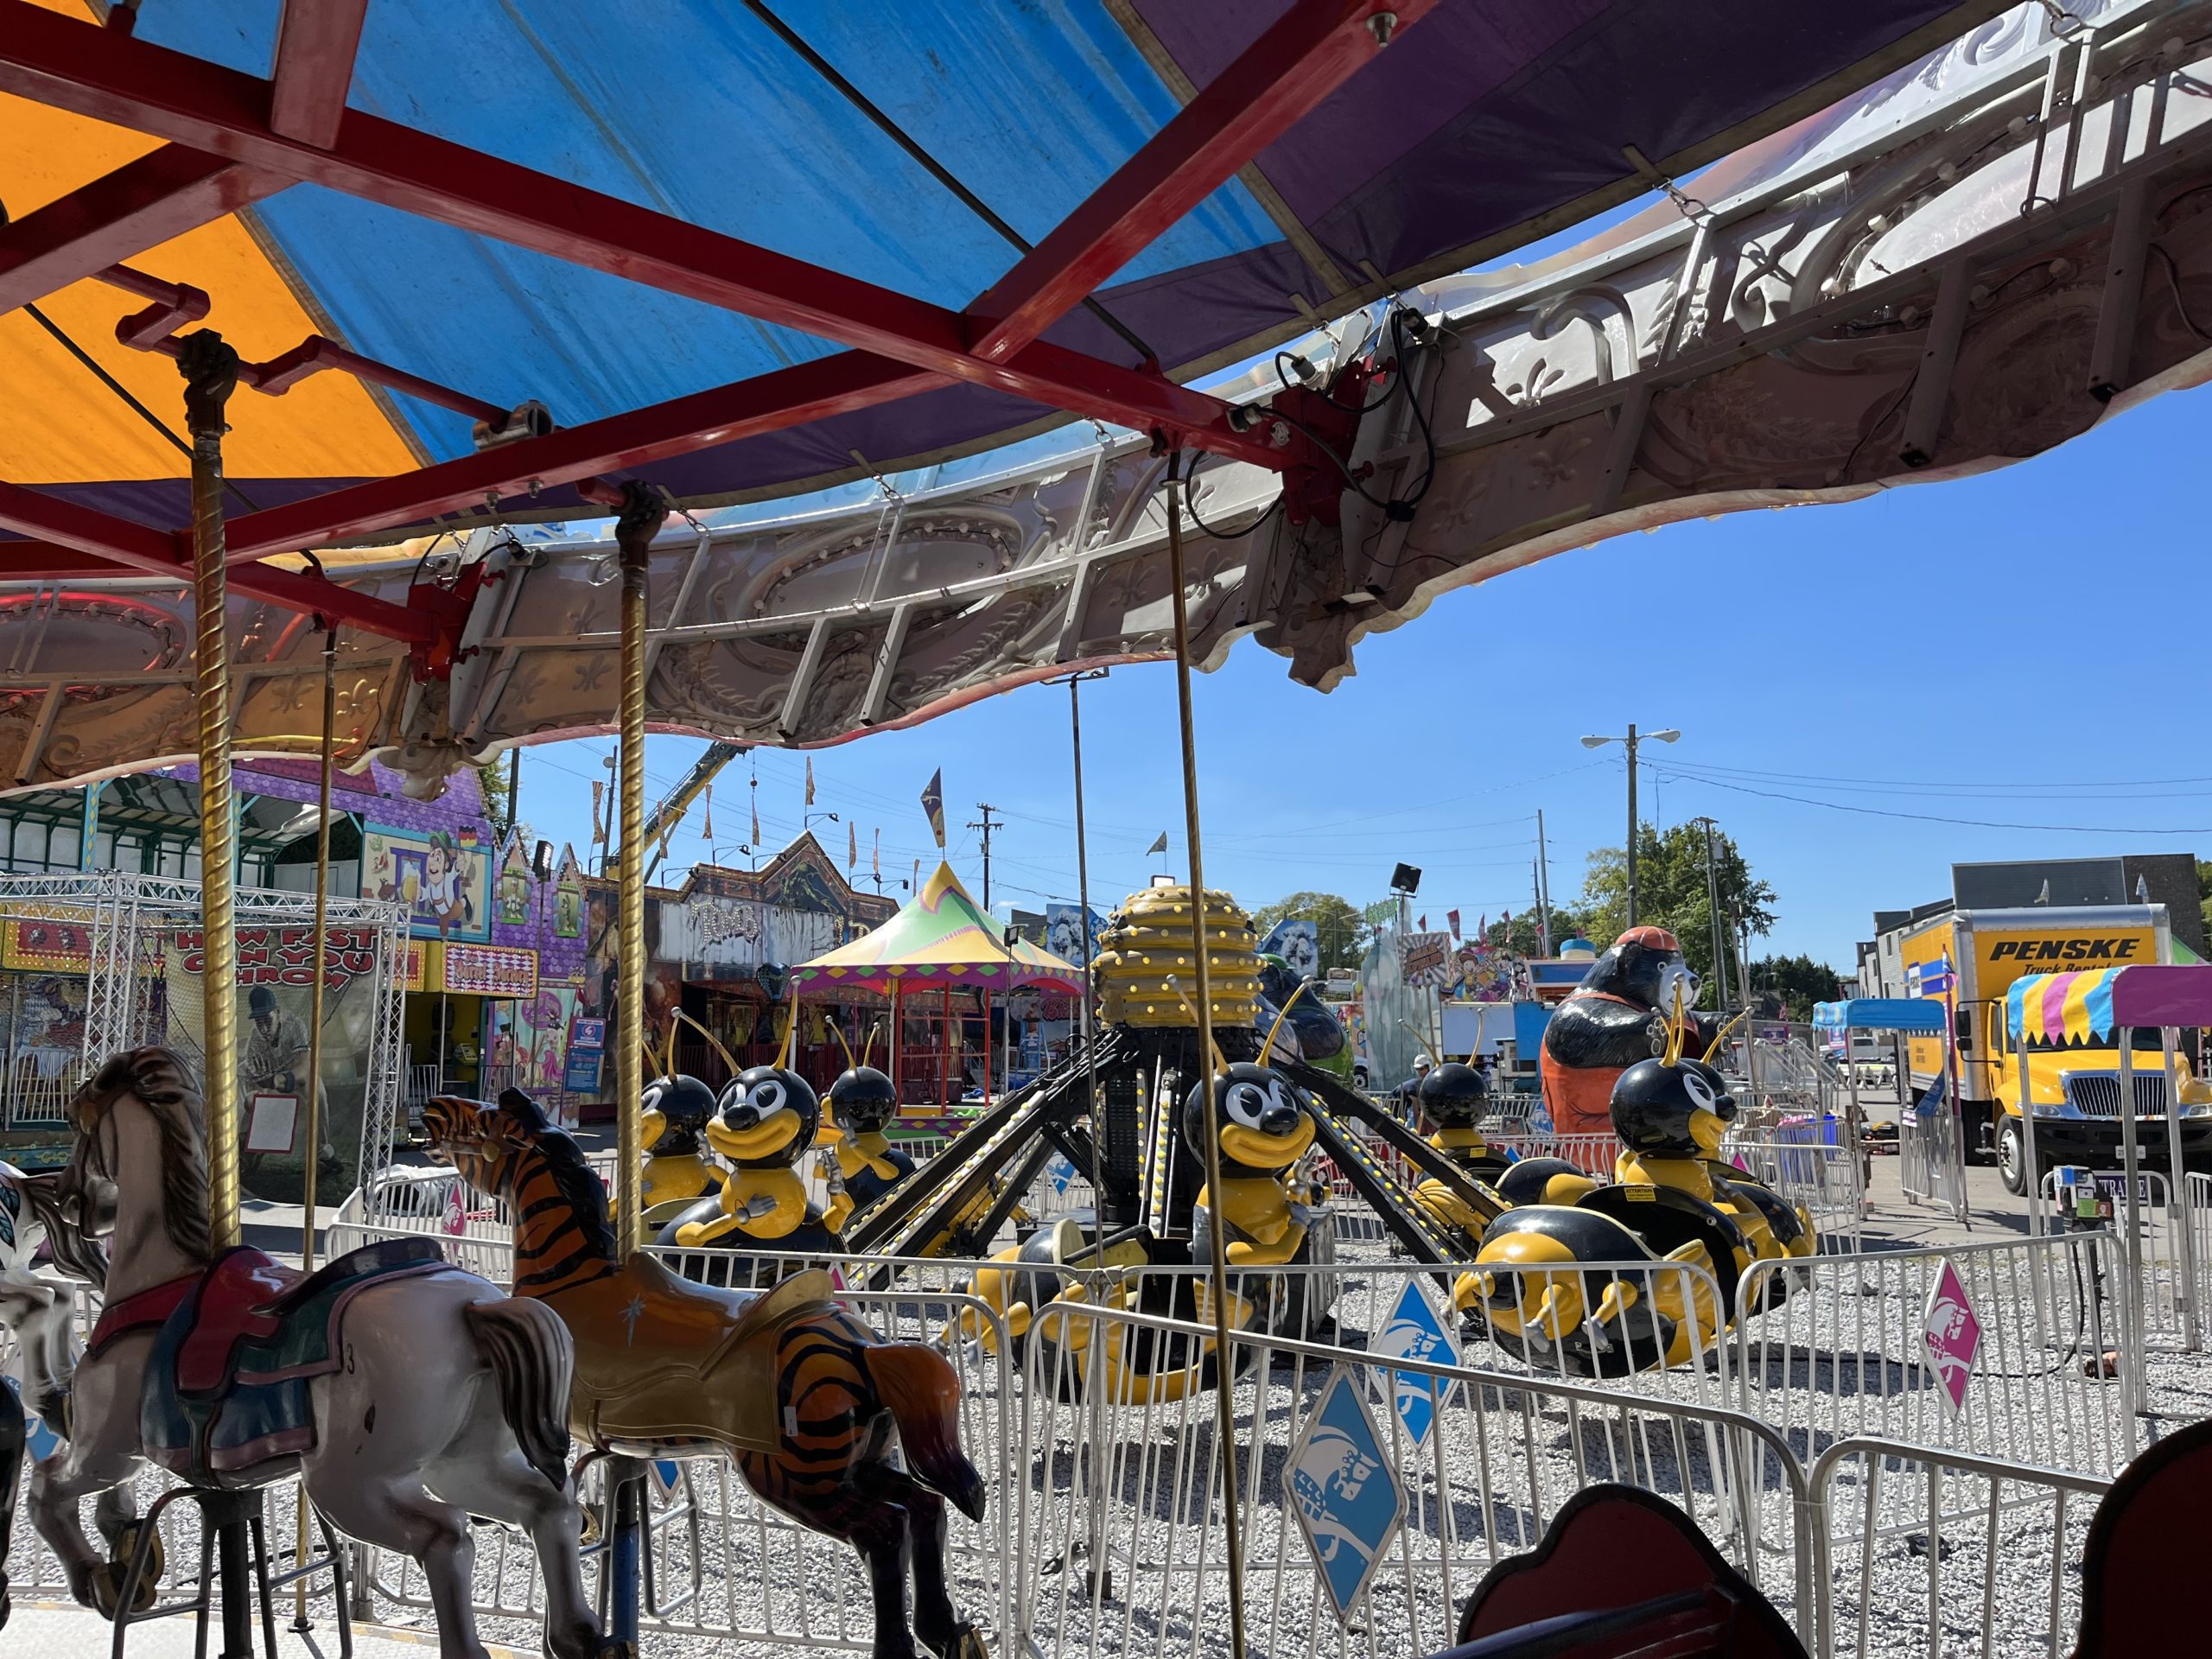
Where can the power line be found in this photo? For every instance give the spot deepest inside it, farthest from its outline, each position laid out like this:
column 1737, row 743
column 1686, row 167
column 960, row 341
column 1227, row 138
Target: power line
column 1931, row 818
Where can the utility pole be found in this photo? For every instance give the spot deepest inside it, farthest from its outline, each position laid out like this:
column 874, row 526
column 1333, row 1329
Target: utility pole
column 1712, row 908
column 1543, row 889
column 1631, row 739
column 986, row 826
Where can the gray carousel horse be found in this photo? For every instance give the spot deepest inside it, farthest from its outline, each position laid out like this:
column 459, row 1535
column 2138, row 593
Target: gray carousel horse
column 37, row 1312
column 407, row 1394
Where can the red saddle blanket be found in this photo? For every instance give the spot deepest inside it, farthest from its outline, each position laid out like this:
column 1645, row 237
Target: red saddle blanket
column 238, row 1298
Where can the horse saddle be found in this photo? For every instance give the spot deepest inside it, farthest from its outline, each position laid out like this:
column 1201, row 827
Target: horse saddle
column 643, row 1364
column 225, row 1397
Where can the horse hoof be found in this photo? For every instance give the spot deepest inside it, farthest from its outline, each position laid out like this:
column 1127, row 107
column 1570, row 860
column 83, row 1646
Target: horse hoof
column 615, row 1649
column 589, row 1534
column 157, row 1558
column 967, row 1642
column 107, row 1589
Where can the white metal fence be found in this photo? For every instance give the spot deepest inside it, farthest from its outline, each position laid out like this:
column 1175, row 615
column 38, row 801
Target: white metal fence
column 1846, row 1355
column 1931, row 1159
column 1941, row 1553
column 1824, row 1179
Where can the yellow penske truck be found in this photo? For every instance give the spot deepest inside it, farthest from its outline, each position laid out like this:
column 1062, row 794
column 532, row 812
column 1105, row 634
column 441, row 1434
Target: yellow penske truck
column 1969, row 959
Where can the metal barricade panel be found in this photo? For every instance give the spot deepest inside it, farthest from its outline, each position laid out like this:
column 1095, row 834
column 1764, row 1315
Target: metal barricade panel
column 1846, row 1355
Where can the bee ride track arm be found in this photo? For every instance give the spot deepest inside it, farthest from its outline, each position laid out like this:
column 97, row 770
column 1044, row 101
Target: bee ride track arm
column 1421, row 1240
column 1340, row 1100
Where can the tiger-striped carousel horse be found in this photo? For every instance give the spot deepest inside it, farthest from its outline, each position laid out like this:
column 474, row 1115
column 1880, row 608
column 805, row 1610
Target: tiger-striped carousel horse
column 799, row 1393
column 407, row 1394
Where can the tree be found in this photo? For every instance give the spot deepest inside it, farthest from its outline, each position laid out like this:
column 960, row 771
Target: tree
column 1341, row 932
column 1796, row 982
column 1520, row 936
column 1671, row 891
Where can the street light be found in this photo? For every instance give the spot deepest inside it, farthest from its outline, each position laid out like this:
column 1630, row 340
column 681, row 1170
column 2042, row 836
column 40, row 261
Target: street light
column 1668, row 736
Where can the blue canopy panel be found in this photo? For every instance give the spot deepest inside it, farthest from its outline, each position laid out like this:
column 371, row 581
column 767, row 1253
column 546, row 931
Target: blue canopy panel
column 1924, row 1014
column 1493, row 121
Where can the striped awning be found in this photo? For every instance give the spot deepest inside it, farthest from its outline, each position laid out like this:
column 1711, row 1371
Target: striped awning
column 2062, row 1008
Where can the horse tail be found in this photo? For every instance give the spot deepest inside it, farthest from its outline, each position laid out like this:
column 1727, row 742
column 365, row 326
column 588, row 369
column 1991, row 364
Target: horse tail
column 533, row 1361
column 922, row 1394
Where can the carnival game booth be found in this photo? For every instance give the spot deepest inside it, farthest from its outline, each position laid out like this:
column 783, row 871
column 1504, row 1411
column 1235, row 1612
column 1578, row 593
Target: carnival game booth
column 1931, row 1141
column 2141, row 1008
column 942, row 941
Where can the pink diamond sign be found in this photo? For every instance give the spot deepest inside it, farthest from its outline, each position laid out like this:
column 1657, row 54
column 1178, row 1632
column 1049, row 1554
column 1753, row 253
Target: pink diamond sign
column 1953, row 1334
column 456, row 1218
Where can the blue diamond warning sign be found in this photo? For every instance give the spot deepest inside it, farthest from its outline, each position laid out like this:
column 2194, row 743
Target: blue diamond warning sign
column 1416, row 1332
column 1349, row 1499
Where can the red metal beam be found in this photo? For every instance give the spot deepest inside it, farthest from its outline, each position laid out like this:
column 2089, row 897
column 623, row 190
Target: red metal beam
column 69, row 529
column 116, row 217
column 807, row 391
column 316, row 42
column 110, row 77
column 1309, row 52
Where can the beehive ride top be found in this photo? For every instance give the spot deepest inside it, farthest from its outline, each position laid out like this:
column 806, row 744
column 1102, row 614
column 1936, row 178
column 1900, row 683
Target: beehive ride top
column 1152, row 940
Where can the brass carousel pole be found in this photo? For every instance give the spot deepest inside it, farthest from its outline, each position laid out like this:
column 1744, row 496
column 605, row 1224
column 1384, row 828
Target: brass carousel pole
column 643, row 514
column 313, row 1157
column 210, row 374
column 1225, row 1408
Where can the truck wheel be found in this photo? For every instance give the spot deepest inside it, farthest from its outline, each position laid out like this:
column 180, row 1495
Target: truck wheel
column 2011, row 1159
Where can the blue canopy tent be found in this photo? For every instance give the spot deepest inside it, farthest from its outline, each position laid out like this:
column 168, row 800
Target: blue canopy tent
column 1924, row 1015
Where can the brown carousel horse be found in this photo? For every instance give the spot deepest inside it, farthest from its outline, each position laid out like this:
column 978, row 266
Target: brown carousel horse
column 407, row 1394
column 800, row 1392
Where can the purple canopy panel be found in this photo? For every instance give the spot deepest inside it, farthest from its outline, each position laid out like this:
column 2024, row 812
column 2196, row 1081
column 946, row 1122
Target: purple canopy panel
column 2152, row 995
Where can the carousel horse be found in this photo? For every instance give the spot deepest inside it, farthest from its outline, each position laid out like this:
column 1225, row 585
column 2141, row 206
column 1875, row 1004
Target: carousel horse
column 37, row 1312
column 800, row 1393
column 1671, row 1204
column 1264, row 1127
column 407, row 1394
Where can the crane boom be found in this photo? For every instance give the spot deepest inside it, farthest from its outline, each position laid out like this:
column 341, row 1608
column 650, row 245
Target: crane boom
column 671, row 811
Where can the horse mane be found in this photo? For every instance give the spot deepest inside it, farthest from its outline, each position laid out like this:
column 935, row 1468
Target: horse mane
column 161, row 1079
column 75, row 1254
column 580, row 1187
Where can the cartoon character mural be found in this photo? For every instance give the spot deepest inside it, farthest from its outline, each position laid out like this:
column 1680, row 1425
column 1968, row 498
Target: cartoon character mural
column 443, row 878
column 514, row 885
column 569, row 896
column 1297, row 940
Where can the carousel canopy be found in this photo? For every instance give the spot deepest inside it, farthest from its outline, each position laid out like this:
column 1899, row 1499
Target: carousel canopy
column 941, row 936
column 482, row 276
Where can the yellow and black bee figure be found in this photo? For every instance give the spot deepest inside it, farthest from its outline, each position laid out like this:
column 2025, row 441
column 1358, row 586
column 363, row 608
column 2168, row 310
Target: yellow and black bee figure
column 766, row 1122
column 673, row 1114
column 1671, row 1204
column 863, row 1103
column 1455, row 1099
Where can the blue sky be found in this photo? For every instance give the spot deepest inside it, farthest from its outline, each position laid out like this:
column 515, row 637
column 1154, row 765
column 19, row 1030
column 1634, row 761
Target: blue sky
column 2021, row 648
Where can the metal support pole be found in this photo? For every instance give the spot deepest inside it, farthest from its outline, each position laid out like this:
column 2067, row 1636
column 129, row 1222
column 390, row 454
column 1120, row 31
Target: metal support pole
column 1712, row 904
column 1097, row 1585
column 211, row 373
column 314, row 1155
column 1631, row 824
column 1543, row 890
column 1998, row 1012
column 2178, row 1194
column 1224, row 1406
column 643, row 513
column 2131, row 1366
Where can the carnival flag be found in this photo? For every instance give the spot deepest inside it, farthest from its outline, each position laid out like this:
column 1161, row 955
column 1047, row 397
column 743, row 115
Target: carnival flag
column 707, row 827
column 1160, row 846
column 933, row 803
column 1452, row 917
column 598, row 797
column 875, row 858
column 1424, row 921
column 756, row 819
column 809, row 780
column 852, row 847
column 915, row 886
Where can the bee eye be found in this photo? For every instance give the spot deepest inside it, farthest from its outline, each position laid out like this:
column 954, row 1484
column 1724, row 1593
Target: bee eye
column 766, row 1098
column 1246, row 1101
column 1700, row 1090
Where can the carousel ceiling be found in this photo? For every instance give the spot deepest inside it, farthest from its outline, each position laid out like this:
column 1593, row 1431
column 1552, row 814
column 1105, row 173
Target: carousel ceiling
column 1990, row 241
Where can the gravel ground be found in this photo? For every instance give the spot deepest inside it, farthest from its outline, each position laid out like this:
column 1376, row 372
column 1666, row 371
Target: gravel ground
column 1838, row 1359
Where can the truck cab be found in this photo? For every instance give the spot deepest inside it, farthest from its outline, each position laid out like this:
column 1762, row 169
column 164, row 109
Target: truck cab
column 2073, row 1087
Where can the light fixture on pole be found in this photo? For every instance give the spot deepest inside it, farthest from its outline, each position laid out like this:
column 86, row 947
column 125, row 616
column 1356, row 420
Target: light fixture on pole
column 1668, row 736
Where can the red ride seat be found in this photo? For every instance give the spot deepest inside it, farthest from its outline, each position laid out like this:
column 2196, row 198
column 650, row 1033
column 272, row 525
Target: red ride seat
column 237, row 1301
column 2147, row 1543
